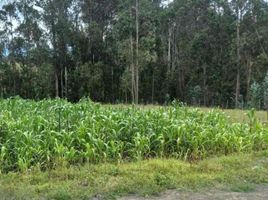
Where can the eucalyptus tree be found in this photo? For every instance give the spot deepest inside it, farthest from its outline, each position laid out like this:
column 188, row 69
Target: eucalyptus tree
column 57, row 21
column 7, row 16
column 240, row 9
column 198, row 51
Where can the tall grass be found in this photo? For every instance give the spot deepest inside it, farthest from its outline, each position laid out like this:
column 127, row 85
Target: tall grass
column 49, row 132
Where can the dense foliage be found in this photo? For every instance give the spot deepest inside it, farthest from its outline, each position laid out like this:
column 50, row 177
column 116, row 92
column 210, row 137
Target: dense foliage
column 50, row 132
column 206, row 52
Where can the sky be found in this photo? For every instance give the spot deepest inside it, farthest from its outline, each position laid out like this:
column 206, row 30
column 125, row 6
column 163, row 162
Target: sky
column 2, row 2
column 166, row 2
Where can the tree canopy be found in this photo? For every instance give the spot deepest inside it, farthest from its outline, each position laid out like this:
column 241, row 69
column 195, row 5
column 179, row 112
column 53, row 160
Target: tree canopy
column 205, row 52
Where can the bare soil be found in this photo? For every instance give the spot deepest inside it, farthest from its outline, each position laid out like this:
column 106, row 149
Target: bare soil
column 261, row 193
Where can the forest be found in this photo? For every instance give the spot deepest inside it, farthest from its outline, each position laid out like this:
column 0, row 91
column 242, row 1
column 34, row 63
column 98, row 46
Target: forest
column 201, row 52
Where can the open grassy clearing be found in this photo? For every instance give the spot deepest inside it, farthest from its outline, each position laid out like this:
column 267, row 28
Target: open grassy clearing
column 233, row 173
column 234, row 115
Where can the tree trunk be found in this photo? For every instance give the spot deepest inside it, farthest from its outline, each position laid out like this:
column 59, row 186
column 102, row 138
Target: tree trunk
column 132, row 68
column 180, row 83
column 174, row 49
column 205, row 84
column 54, row 59
column 137, row 52
column 169, row 61
column 153, row 88
column 56, row 84
column 61, row 83
column 249, row 72
column 237, row 91
column 261, row 44
column 169, row 50
column 113, row 92
column 66, row 81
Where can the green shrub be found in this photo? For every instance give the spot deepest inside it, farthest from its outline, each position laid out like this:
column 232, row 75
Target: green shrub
column 255, row 95
column 265, row 93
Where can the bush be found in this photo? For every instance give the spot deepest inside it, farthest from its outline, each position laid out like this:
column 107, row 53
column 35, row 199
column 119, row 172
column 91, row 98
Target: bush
column 265, row 93
column 255, row 95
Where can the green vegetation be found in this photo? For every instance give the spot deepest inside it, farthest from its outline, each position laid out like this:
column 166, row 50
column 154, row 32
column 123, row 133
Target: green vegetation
column 265, row 88
column 255, row 95
column 53, row 133
column 233, row 115
column 240, row 172
column 241, row 116
column 202, row 52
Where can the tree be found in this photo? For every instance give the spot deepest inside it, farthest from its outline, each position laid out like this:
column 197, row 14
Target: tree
column 140, row 51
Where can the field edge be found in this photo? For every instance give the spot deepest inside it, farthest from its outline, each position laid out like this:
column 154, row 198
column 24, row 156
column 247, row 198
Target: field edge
column 238, row 173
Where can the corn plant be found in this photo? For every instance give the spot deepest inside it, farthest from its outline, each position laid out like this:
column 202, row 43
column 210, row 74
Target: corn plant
column 52, row 132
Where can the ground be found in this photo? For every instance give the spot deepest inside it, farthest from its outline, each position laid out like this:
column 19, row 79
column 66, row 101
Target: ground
column 260, row 193
column 218, row 177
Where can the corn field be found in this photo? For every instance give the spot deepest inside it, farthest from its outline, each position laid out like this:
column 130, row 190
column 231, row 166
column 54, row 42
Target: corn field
column 49, row 132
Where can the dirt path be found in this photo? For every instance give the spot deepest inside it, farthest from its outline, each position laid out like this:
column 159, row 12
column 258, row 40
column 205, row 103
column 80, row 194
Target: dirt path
column 261, row 193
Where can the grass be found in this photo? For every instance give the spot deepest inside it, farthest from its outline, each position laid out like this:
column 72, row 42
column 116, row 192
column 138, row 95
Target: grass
column 235, row 115
column 240, row 116
column 145, row 178
column 243, row 187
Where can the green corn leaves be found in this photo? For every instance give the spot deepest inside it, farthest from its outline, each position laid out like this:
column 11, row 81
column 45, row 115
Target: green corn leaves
column 52, row 132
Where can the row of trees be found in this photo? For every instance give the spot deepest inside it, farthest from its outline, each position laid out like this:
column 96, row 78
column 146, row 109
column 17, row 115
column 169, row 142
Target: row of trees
column 206, row 52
